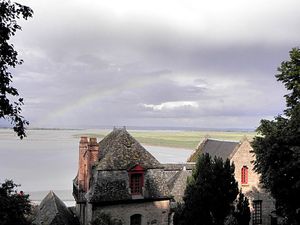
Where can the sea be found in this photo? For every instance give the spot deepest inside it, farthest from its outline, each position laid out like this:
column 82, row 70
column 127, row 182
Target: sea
column 47, row 159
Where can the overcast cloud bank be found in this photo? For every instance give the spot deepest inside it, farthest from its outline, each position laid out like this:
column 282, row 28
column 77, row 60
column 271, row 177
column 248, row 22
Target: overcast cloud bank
column 207, row 64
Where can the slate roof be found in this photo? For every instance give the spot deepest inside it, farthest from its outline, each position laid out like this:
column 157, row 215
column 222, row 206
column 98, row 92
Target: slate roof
column 178, row 166
column 120, row 151
column 177, row 184
column 52, row 211
column 219, row 148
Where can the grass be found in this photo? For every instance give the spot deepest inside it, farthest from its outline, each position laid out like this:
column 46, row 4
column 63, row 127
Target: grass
column 177, row 139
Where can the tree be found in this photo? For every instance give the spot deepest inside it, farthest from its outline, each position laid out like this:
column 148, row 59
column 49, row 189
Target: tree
column 210, row 192
column 10, row 104
column 277, row 147
column 14, row 207
column 105, row 219
column 242, row 210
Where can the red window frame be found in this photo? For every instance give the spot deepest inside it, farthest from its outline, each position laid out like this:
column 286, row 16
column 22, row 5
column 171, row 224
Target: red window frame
column 244, row 175
column 136, row 180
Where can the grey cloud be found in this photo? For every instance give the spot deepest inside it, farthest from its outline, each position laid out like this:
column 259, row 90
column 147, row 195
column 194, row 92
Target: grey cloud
column 74, row 51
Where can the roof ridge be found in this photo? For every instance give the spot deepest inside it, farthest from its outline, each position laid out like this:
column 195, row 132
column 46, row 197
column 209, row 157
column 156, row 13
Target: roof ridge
column 223, row 140
column 172, row 181
column 120, row 149
column 53, row 197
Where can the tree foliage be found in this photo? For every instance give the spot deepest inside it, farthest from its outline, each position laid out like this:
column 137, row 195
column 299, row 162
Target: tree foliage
column 14, row 207
column 277, row 148
column 9, row 108
column 242, row 211
column 210, row 193
column 105, row 219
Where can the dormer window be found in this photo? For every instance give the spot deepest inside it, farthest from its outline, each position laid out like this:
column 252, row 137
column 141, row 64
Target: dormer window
column 136, row 184
column 244, row 175
column 136, row 180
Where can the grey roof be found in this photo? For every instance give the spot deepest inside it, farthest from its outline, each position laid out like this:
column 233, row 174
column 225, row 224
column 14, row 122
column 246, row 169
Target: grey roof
column 119, row 151
column 177, row 184
column 178, row 166
column 219, row 148
column 52, row 211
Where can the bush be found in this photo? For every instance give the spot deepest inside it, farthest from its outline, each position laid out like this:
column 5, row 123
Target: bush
column 14, row 207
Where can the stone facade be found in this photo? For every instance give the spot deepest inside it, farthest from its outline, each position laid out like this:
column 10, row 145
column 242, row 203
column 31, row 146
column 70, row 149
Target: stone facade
column 252, row 189
column 261, row 204
column 152, row 213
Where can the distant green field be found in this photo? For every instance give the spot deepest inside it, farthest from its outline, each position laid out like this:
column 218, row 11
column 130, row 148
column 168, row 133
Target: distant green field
column 177, row 139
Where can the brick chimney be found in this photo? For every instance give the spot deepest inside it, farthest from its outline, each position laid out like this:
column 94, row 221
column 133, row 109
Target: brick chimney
column 88, row 154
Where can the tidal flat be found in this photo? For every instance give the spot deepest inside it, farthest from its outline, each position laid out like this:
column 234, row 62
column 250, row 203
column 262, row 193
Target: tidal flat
column 176, row 138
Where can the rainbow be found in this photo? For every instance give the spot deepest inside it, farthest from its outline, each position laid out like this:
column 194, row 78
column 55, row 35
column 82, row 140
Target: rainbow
column 91, row 97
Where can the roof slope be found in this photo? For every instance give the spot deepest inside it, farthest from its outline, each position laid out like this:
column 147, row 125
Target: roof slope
column 119, row 151
column 52, row 211
column 177, row 184
column 219, row 148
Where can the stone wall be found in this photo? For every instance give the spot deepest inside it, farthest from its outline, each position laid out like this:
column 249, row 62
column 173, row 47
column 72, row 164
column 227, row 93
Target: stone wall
column 252, row 190
column 243, row 157
column 152, row 213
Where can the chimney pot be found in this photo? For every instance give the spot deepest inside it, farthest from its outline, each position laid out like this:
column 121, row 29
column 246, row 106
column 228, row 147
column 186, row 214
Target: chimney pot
column 93, row 140
column 83, row 139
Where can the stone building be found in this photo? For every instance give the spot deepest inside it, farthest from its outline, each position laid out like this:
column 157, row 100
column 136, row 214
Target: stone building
column 117, row 176
column 262, row 205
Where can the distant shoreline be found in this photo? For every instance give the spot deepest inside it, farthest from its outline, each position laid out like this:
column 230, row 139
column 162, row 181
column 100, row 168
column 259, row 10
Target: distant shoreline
column 135, row 128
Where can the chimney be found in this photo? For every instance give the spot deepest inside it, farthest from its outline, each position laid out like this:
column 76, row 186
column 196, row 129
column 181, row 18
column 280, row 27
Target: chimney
column 92, row 157
column 82, row 169
column 88, row 155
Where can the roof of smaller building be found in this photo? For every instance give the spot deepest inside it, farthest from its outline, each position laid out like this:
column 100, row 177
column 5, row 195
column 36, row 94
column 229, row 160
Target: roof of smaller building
column 119, row 151
column 178, row 166
column 177, row 184
column 214, row 147
column 52, row 211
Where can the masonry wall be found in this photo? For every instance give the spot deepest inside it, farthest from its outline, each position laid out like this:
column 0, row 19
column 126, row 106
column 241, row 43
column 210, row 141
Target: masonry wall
column 152, row 213
column 243, row 157
column 252, row 190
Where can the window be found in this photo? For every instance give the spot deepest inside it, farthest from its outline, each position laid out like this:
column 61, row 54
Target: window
column 136, row 184
column 257, row 212
column 136, row 219
column 274, row 220
column 244, row 175
column 136, row 180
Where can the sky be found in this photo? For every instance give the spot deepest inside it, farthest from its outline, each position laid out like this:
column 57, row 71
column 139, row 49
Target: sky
column 171, row 63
